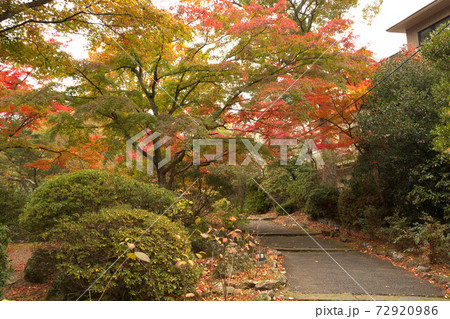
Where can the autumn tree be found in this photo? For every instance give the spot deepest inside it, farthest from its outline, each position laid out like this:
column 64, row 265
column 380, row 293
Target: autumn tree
column 200, row 70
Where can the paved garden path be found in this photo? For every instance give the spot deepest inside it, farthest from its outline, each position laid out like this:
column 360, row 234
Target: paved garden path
column 339, row 269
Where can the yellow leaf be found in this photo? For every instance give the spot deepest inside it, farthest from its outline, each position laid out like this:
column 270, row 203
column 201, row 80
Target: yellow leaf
column 142, row 256
column 131, row 256
column 198, row 220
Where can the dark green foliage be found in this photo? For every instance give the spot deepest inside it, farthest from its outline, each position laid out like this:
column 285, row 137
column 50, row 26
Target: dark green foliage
column 12, row 202
column 438, row 52
column 69, row 196
column 403, row 172
column 429, row 237
column 322, row 202
column 256, row 201
column 91, row 244
column 304, row 180
column 290, row 186
column 4, row 268
column 288, row 206
column 41, row 265
column 433, row 238
column 396, row 126
column 360, row 193
column 398, row 232
column 431, row 191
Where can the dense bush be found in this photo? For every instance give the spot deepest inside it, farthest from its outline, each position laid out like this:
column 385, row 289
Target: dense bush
column 288, row 206
column 289, row 185
column 67, row 197
column 90, row 245
column 41, row 265
column 361, row 199
column 322, row 202
column 397, row 232
column 431, row 191
column 429, row 237
column 433, row 238
column 4, row 268
column 256, row 201
column 12, row 202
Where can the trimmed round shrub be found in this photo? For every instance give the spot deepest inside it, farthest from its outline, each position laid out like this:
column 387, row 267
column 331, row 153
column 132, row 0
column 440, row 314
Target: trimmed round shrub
column 322, row 202
column 91, row 245
column 69, row 196
column 41, row 265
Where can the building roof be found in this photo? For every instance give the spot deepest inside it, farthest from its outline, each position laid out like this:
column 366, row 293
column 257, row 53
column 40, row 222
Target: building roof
column 421, row 15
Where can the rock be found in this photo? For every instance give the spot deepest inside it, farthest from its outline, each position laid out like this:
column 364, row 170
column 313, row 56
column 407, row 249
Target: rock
column 262, row 297
column 268, row 285
column 218, row 289
column 421, row 269
column 395, row 256
column 247, row 284
column 281, row 278
column 425, row 275
column 412, row 263
column 441, row 279
column 380, row 251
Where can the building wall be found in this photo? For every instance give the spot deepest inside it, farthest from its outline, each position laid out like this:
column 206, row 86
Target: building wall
column 412, row 34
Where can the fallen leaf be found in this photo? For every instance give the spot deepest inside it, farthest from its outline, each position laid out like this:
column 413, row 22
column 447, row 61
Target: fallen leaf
column 142, row 256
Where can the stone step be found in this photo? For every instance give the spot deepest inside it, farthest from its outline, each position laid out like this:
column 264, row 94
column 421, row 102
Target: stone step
column 284, row 234
column 314, row 249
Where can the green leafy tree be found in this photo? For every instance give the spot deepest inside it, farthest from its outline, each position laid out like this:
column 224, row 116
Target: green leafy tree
column 396, row 125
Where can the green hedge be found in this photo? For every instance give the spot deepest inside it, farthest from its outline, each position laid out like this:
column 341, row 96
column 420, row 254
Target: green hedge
column 69, row 196
column 90, row 245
